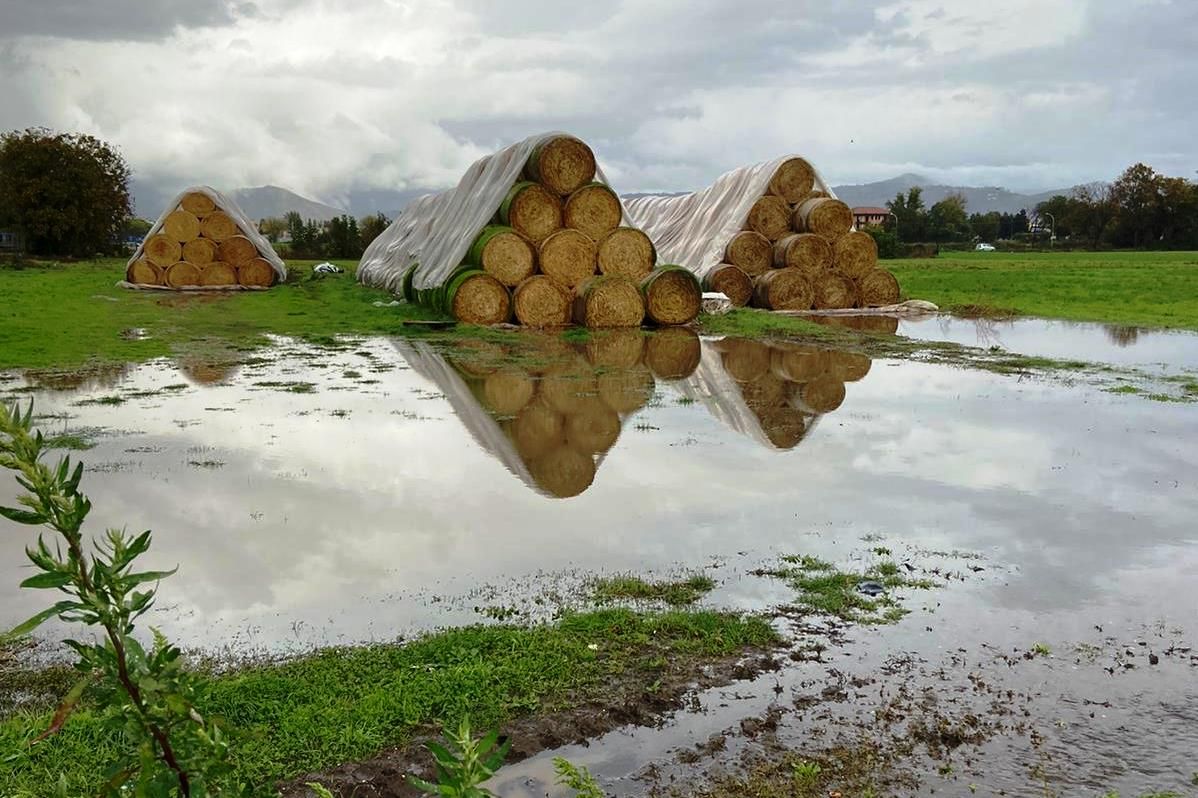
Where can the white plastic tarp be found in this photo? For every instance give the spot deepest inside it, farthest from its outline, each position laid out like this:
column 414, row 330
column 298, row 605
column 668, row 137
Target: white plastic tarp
column 692, row 230
column 247, row 227
column 436, row 230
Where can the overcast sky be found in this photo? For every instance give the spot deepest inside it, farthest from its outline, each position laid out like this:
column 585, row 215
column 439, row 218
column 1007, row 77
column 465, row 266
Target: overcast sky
column 322, row 96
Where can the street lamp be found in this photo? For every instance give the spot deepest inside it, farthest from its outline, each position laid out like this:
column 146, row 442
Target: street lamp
column 1053, row 235
column 892, row 216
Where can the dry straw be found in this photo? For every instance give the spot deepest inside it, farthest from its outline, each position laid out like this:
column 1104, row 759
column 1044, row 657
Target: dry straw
column 793, row 180
column 594, row 210
column 833, row 292
column 855, row 254
column 730, row 281
column 750, row 252
column 770, row 216
column 218, row 273
column 878, row 288
column 608, row 301
column 218, row 226
column 476, row 297
column 626, row 252
column 783, row 289
column 258, row 273
column 563, row 164
column 568, row 257
column 182, row 274
column 532, row 211
column 541, row 302
column 809, row 253
column 504, row 254
column 824, row 216
column 144, row 272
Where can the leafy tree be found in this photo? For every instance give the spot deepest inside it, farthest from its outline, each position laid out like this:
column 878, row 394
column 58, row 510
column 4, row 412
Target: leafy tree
column 273, row 228
column 1137, row 194
column 136, row 227
column 947, row 220
column 1095, row 211
column 342, row 237
column 910, row 213
column 372, row 227
column 985, row 226
column 68, row 192
column 887, row 241
column 1065, row 212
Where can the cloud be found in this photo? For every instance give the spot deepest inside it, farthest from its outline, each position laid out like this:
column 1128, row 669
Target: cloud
column 329, row 97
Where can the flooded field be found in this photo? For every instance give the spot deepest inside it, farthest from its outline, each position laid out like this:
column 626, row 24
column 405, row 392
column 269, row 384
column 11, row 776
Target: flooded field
column 354, row 493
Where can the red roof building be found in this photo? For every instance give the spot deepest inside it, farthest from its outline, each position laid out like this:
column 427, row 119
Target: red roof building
column 870, row 217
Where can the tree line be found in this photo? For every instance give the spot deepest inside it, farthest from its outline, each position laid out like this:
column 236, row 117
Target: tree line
column 342, row 237
column 1141, row 209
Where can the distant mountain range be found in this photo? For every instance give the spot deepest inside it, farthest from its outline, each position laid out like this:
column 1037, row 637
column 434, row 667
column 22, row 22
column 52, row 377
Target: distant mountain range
column 978, row 199
column 266, row 201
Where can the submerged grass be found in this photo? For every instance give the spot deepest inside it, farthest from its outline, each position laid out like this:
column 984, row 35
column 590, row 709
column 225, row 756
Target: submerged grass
column 825, row 589
column 675, row 593
column 346, row 704
column 1157, row 289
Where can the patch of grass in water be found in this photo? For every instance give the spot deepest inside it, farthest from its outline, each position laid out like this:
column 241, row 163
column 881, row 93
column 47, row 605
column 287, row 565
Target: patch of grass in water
column 71, row 441
column 101, row 400
column 825, row 589
column 291, row 386
column 675, row 593
column 1124, row 389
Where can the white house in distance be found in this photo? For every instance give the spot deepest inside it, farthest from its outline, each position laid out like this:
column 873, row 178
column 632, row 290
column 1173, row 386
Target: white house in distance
column 870, row 217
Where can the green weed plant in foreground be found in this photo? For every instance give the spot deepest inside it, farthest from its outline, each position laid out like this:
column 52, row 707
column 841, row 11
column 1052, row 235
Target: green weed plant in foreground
column 143, row 697
column 464, row 764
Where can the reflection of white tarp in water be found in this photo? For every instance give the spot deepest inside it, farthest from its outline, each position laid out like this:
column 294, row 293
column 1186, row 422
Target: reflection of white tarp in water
column 714, row 388
column 436, row 230
column 692, row 230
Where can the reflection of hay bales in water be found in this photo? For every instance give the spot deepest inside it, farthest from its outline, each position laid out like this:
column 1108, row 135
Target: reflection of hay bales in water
column 537, row 430
column 847, row 366
column 207, row 372
column 744, row 359
column 672, row 353
column 822, row 395
column 784, row 427
column 476, row 357
column 764, row 392
column 795, row 363
column 878, row 325
column 507, row 391
column 103, row 375
column 620, row 349
column 594, row 429
column 563, row 472
column 1121, row 335
column 626, row 390
column 568, row 387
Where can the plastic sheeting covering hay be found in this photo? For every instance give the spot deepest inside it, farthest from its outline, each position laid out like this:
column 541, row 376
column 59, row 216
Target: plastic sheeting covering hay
column 203, row 214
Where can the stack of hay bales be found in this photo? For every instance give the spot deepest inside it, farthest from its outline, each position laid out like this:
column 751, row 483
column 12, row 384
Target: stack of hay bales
column 203, row 240
column 773, row 392
column 553, row 423
column 531, row 234
column 773, row 236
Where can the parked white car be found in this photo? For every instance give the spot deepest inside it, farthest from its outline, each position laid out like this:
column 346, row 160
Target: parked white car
column 984, row 248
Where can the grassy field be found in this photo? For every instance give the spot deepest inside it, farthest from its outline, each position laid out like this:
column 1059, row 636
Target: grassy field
column 1151, row 289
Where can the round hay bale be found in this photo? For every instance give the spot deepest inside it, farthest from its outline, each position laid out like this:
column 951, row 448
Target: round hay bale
column 594, row 430
column 744, row 359
column 475, row 297
column 162, row 250
column 568, row 257
column 770, row 216
column 672, row 296
column 823, row 216
column 847, row 366
column 784, row 427
column 563, row 472
column 200, row 251
column 626, row 252
column 541, row 302
column 504, row 254
column 218, row 226
column 877, row 288
column 594, row 210
column 218, row 273
column 181, row 226
column 616, row 349
column 807, row 252
column 198, row 204
column 797, row 363
column 834, row 292
column 750, row 252
column 568, row 387
column 783, row 289
column 257, row 272
column 181, row 274
column 626, row 390
column 506, row 391
column 814, row 194
column 563, row 164
column 673, row 353
column 763, row 393
column 732, row 282
column 143, row 272
column 608, row 301
column 793, row 180
column 532, row 211
column 237, row 250
column 855, row 254
column 537, row 430
column 819, row 396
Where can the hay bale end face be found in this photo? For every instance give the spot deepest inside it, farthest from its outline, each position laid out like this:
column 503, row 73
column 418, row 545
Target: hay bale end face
column 608, row 301
column 878, row 288
column 823, row 216
column 672, row 296
column 732, row 282
column 783, row 289
column 833, row 292
column 626, row 252
column 594, row 210
column 855, row 254
column 793, row 180
column 504, row 254
column 750, row 252
column 200, row 251
column 568, row 257
column 162, row 251
column 144, row 272
column 770, row 216
column 809, row 253
column 183, row 274
column 562, row 164
column 258, row 273
column 476, row 297
column 198, row 204
column 541, row 302
column 237, row 250
column 532, row 211
column 218, row 273
column 181, row 226
column 218, row 226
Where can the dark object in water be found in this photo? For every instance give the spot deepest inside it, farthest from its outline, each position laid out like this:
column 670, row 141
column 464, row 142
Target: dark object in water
column 871, row 589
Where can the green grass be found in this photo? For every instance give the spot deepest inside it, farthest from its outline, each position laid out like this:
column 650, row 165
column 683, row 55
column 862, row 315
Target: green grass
column 346, row 704
column 68, row 314
column 676, row 593
column 1154, row 289
column 825, row 589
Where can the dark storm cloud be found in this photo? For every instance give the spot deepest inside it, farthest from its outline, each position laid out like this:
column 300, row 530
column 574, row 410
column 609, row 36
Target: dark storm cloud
column 115, row 20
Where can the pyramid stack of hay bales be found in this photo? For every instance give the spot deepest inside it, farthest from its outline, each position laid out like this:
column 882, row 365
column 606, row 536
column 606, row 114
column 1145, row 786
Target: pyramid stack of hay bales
column 757, row 221
column 538, row 223
column 202, row 240
column 552, row 409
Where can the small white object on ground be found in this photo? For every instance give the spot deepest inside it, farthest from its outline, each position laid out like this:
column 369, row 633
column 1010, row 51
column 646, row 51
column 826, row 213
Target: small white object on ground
column 716, row 303
column 327, row 268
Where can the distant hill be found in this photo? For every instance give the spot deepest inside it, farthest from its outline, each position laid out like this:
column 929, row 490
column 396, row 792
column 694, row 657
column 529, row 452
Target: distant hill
column 267, row 201
column 978, row 199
